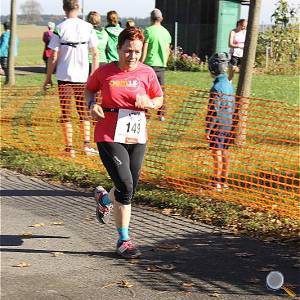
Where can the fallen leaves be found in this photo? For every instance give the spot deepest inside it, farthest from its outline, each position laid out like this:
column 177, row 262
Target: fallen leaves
column 125, row 284
column 55, row 254
column 153, row 268
column 58, row 223
column 37, row 225
column 215, row 295
column 188, row 284
column 55, row 223
column 121, row 283
column 170, row 212
column 134, row 261
column 25, row 235
column 160, row 268
column 22, row 264
column 89, row 218
column 168, row 247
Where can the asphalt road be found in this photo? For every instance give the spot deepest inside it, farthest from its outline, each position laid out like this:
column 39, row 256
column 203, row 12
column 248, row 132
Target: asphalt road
column 71, row 256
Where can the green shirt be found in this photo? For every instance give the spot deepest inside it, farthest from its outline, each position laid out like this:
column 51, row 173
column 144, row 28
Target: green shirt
column 101, row 48
column 113, row 34
column 158, row 39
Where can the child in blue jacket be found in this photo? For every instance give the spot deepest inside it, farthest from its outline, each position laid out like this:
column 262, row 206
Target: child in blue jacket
column 219, row 119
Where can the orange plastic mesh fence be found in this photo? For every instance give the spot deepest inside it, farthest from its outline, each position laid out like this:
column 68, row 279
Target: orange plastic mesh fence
column 263, row 173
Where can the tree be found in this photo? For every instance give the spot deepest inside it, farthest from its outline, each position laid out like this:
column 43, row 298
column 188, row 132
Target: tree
column 31, row 9
column 12, row 43
column 284, row 34
column 245, row 79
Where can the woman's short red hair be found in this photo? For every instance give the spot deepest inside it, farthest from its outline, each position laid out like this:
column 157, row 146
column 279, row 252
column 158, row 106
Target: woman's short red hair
column 131, row 34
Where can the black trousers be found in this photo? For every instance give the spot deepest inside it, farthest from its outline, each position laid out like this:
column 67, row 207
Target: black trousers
column 123, row 163
column 160, row 73
column 4, row 66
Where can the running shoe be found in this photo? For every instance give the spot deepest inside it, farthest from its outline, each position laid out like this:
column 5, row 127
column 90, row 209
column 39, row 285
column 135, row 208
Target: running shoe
column 225, row 186
column 89, row 151
column 69, row 152
column 127, row 250
column 102, row 211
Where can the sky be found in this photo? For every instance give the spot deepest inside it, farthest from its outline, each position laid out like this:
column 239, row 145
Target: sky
column 127, row 8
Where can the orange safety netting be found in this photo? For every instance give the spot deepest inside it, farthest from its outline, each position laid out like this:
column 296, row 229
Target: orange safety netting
column 263, row 172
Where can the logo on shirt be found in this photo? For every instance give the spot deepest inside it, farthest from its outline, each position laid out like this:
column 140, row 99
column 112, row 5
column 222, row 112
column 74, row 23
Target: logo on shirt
column 130, row 84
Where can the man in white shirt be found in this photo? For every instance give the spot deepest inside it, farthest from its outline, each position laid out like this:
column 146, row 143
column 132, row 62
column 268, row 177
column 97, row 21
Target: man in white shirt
column 70, row 44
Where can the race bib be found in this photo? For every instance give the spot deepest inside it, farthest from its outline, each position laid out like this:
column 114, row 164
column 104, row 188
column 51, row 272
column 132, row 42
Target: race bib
column 238, row 52
column 131, row 127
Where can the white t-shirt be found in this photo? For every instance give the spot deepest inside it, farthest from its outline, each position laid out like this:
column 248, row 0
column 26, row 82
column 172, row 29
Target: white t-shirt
column 73, row 63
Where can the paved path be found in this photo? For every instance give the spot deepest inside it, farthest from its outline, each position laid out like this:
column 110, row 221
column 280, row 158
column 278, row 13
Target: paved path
column 208, row 262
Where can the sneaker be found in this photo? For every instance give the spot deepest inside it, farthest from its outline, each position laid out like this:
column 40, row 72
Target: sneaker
column 102, row 211
column 126, row 249
column 69, row 152
column 161, row 118
column 225, row 186
column 89, row 151
column 218, row 187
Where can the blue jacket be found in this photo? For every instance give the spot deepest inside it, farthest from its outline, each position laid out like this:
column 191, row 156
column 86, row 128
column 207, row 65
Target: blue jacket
column 221, row 105
column 4, row 44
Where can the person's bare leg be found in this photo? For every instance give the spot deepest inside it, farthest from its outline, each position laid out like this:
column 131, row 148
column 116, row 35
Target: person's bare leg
column 225, row 165
column 86, row 131
column 231, row 73
column 68, row 136
column 122, row 213
column 217, row 166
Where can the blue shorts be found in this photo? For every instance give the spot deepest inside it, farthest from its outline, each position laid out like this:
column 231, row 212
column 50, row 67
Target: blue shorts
column 220, row 139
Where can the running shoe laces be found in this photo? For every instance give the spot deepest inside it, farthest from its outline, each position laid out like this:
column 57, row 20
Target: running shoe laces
column 126, row 249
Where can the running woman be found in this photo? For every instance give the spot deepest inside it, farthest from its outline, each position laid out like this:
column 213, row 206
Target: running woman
column 128, row 88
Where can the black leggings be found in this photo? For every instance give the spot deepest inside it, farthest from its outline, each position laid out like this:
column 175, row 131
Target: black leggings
column 123, row 163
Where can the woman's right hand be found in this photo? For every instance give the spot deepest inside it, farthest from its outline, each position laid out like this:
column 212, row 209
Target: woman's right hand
column 97, row 112
column 47, row 84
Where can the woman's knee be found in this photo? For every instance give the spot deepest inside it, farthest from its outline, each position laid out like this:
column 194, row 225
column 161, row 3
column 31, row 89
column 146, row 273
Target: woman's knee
column 124, row 193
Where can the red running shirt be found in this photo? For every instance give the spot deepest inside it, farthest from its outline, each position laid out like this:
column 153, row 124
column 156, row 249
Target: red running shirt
column 118, row 90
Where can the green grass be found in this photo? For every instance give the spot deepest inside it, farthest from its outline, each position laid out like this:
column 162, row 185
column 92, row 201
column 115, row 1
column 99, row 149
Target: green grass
column 237, row 218
column 31, row 45
column 30, row 52
column 274, row 87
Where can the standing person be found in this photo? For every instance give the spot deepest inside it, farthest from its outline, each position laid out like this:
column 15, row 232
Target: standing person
column 236, row 44
column 4, row 49
column 95, row 19
column 219, row 119
column 130, row 23
column 128, row 88
column 156, row 50
column 113, row 29
column 47, row 35
column 70, row 46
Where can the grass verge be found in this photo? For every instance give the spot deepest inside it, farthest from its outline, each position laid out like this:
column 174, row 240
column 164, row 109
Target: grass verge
column 237, row 219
